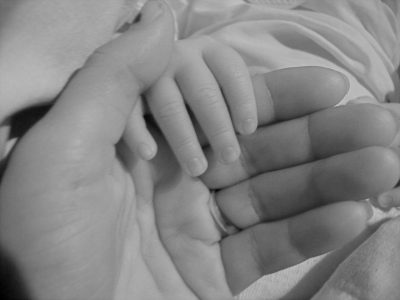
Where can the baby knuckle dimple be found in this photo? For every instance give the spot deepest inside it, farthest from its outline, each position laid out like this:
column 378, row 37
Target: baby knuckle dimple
column 240, row 82
column 209, row 95
column 222, row 131
column 170, row 111
column 239, row 73
column 185, row 144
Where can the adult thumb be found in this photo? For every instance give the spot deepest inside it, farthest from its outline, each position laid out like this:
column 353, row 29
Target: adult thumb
column 106, row 89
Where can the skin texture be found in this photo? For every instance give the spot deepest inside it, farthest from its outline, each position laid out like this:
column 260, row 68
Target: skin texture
column 214, row 82
column 83, row 218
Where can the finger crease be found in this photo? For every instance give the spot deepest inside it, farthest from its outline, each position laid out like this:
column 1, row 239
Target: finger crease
column 255, row 203
column 244, row 158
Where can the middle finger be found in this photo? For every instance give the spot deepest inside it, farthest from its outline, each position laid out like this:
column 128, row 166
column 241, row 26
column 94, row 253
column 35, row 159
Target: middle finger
column 322, row 134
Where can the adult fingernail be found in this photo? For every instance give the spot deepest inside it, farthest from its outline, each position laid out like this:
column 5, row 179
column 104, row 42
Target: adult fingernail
column 229, row 154
column 248, row 126
column 196, row 166
column 152, row 10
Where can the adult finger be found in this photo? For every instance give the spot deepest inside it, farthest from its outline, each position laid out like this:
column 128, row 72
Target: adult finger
column 293, row 92
column 67, row 160
column 302, row 140
column 97, row 102
column 275, row 195
column 250, row 254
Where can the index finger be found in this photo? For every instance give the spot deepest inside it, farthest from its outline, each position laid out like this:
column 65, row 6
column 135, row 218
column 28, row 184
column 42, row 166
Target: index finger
column 294, row 92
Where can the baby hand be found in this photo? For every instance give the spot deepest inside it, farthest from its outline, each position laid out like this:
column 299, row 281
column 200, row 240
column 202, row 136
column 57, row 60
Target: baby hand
column 214, row 82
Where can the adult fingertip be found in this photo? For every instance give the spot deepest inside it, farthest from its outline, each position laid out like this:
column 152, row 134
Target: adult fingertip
column 315, row 88
column 330, row 85
column 329, row 228
column 340, row 81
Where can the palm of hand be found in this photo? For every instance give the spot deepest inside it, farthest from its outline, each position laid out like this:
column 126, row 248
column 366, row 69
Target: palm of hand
column 98, row 233
column 174, row 238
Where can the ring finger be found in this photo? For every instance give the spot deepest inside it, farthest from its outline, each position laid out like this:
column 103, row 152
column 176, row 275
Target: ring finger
column 279, row 194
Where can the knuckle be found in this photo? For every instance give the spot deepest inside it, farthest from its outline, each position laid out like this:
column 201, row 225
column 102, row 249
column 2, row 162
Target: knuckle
column 209, row 95
column 222, row 131
column 185, row 144
column 240, row 86
column 170, row 111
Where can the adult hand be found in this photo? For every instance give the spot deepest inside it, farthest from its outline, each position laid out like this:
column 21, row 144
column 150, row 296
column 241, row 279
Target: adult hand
column 83, row 221
column 43, row 42
column 307, row 158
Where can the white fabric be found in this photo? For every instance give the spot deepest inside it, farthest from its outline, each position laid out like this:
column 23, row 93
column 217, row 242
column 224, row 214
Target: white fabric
column 360, row 38
column 357, row 38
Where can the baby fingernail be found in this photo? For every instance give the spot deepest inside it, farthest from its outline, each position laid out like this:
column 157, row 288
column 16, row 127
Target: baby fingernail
column 196, row 166
column 248, row 126
column 146, row 152
column 229, row 154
